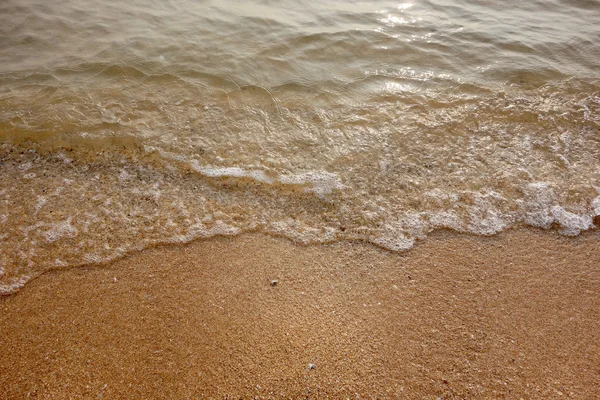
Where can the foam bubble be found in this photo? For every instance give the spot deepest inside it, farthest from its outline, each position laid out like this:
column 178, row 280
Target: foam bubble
column 60, row 230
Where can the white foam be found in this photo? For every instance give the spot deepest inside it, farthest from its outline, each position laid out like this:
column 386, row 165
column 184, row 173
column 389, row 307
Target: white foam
column 596, row 204
column 446, row 219
column 485, row 216
column 320, row 183
column 93, row 258
column 571, row 224
column 438, row 193
column 40, row 203
column 109, row 117
column 199, row 230
column 60, row 230
column 302, row 233
column 123, row 175
column 233, row 172
column 25, row 166
column 539, row 199
column 64, row 158
column 13, row 285
column 542, row 209
column 395, row 240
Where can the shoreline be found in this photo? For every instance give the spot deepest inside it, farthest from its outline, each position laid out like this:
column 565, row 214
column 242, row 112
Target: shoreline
column 511, row 315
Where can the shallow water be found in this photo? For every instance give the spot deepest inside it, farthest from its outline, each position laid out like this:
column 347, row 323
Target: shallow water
column 128, row 124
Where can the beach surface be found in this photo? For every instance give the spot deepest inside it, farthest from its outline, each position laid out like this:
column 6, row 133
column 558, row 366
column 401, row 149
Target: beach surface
column 516, row 315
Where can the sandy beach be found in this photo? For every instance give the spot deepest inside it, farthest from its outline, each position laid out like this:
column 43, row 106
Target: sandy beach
column 299, row 199
column 510, row 316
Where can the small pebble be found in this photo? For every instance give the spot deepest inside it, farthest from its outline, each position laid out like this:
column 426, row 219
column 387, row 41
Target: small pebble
column 274, row 282
column 311, row 366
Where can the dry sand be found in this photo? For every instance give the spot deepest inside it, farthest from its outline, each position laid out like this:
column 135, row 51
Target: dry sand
column 510, row 316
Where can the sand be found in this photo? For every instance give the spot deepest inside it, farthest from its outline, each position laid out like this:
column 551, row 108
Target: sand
column 512, row 316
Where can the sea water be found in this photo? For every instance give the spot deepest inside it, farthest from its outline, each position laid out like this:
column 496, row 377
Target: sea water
column 129, row 124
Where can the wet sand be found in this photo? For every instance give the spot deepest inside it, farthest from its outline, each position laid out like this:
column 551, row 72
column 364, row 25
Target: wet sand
column 510, row 316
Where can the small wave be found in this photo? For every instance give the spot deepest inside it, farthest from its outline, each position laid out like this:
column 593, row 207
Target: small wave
column 133, row 203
